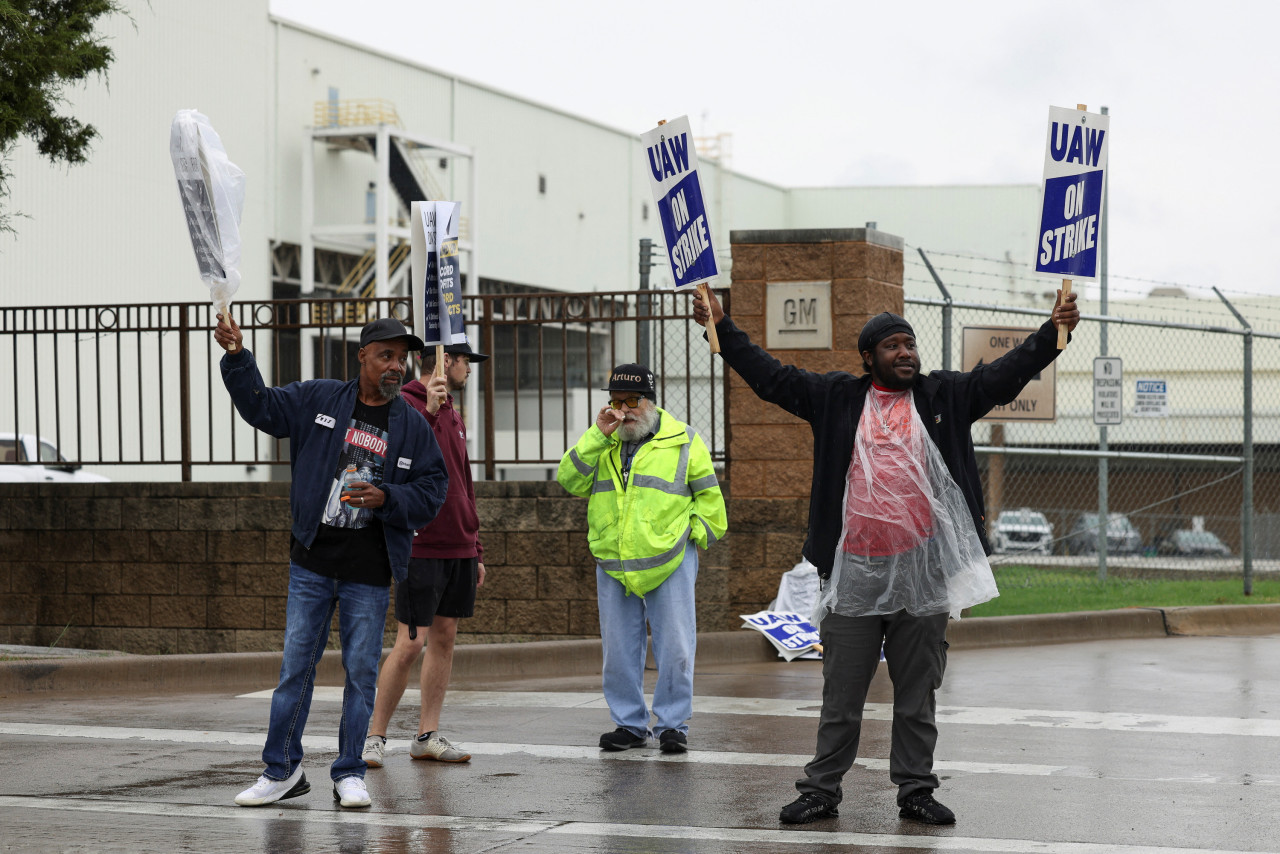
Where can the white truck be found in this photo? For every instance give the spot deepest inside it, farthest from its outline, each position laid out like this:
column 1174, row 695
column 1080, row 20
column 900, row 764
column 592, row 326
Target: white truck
column 42, row 462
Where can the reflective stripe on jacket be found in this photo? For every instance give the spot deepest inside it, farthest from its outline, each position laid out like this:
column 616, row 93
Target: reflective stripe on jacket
column 638, row 532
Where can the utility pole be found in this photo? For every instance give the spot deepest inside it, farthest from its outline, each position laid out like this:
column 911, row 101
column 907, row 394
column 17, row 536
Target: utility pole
column 647, row 253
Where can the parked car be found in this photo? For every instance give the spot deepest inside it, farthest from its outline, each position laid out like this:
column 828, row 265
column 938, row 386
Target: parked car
column 1022, row 531
column 1122, row 537
column 1188, row 543
column 46, row 463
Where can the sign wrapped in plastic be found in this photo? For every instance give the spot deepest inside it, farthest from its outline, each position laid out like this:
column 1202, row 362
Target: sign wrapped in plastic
column 437, row 283
column 212, row 192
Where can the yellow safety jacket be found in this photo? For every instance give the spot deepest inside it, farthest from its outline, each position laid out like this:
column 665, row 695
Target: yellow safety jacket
column 638, row 530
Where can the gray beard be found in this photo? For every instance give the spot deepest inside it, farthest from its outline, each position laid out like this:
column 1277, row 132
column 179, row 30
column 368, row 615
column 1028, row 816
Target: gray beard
column 644, row 424
column 389, row 386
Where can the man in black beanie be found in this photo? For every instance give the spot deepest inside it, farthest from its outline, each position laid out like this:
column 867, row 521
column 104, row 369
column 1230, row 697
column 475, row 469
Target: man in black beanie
column 896, row 530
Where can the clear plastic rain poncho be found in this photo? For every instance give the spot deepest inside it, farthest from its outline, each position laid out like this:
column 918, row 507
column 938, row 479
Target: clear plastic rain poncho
column 908, row 541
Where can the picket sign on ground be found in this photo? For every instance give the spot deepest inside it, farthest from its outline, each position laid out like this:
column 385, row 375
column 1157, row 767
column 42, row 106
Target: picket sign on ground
column 791, row 634
column 671, row 160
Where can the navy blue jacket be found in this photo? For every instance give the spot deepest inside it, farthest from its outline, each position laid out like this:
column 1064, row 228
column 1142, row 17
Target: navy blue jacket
column 313, row 416
column 948, row 402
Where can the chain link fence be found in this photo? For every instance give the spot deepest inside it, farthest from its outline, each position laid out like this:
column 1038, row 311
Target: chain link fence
column 1185, row 467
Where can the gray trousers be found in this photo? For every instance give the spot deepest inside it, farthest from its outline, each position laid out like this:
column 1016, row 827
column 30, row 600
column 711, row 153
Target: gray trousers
column 916, row 651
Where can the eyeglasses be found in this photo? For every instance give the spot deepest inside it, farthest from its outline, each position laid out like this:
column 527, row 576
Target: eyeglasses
column 631, row 402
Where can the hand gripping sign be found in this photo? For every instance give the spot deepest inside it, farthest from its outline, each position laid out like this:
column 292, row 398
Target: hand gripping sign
column 672, row 163
column 437, row 284
column 212, row 192
column 1075, row 166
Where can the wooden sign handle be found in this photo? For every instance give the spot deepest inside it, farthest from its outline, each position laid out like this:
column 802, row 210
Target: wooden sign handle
column 712, row 338
column 439, row 360
column 1066, row 283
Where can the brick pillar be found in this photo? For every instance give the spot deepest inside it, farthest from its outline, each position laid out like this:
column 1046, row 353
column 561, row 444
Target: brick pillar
column 770, row 451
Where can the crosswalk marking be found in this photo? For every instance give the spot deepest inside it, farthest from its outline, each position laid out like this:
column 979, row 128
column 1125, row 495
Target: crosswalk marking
column 959, row 715
column 329, row 743
column 525, row 828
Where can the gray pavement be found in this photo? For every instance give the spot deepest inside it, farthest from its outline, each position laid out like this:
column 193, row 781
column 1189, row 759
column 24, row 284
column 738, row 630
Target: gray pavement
column 1143, row 744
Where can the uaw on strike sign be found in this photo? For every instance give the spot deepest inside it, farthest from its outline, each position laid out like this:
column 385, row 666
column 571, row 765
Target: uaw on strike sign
column 1075, row 168
column 672, row 161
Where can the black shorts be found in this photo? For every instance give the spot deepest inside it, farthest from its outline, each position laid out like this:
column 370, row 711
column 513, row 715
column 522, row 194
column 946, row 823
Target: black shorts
column 437, row 587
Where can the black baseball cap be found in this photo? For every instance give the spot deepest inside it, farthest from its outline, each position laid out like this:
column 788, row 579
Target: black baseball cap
column 631, row 377
column 385, row 329
column 464, row 349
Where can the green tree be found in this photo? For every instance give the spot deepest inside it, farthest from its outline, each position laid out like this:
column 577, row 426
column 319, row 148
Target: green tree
column 46, row 45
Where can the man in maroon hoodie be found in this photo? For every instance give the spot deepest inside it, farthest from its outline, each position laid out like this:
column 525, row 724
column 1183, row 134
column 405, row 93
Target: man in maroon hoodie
column 445, row 568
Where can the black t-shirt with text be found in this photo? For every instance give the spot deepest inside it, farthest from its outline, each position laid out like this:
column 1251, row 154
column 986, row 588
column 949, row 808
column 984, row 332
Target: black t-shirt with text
column 350, row 545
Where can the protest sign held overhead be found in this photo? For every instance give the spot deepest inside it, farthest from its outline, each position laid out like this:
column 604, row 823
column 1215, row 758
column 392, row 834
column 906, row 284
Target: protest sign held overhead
column 437, row 282
column 1075, row 164
column 212, row 191
column 671, row 160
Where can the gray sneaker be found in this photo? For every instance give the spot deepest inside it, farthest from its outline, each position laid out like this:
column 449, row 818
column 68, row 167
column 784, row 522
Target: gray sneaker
column 374, row 747
column 437, row 747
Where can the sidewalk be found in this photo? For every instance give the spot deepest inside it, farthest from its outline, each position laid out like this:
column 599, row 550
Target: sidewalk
column 91, row 671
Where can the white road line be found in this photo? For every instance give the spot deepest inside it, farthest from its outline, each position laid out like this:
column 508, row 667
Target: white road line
column 571, row 752
column 586, row 828
column 961, row 715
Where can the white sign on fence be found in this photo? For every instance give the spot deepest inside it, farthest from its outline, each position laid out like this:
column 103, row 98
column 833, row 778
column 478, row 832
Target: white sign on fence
column 1151, row 398
column 1108, row 390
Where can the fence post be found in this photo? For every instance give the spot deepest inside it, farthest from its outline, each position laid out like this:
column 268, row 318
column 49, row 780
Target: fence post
column 946, row 311
column 184, row 388
column 489, row 431
column 642, row 304
column 1246, row 509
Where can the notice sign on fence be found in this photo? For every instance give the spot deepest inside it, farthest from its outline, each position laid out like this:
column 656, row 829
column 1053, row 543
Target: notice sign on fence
column 1151, row 399
column 1075, row 164
column 672, row 163
column 1108, row 390
column 983, row 345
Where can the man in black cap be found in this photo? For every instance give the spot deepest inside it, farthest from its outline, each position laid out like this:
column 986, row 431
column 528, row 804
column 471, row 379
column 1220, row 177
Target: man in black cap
column 896, row 530
column 366, row 473
column 654, row 500
column 445, row 569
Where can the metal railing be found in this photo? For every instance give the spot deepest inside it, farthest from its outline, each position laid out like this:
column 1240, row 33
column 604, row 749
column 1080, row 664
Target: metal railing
column 139, row 385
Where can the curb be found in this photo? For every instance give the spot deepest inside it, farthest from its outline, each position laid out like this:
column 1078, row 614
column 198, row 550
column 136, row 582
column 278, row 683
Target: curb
column 250, row 671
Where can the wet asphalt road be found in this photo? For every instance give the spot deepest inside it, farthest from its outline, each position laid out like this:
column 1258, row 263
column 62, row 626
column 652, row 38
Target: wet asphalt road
column 1136, row 746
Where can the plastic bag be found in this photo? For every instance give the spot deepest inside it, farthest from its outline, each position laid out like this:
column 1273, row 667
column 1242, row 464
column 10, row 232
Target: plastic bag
column 212, row 192
column 909, row 542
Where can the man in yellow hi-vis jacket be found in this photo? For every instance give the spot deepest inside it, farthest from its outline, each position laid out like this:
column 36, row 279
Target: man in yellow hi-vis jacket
column 652, row 493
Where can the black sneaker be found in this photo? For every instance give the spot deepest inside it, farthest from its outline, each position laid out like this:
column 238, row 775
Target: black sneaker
column 621, row 739
column 921, row 806
column 673, row 741
column 806, row 808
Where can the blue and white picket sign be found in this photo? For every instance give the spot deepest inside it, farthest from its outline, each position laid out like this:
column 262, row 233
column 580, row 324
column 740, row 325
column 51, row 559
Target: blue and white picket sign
column 790, row 633
column 671, row 161
column 437, row 284
column 1075, row 169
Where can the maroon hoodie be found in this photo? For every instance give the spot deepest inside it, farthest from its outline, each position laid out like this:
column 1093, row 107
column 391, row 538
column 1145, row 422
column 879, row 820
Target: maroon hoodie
column 454, row 533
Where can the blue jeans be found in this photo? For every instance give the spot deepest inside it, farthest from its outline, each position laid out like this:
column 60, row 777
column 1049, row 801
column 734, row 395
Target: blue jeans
column 362, row 614
column 671, row 612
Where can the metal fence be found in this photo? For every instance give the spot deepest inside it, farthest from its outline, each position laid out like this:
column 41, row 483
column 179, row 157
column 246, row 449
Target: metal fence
column 137, row 387
column 1190, row 477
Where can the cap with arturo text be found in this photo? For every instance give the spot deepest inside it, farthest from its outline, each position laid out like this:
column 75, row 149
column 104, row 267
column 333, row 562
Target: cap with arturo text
column 385, row 329
column 632, row 377
column 464, row 349
column 881, row 327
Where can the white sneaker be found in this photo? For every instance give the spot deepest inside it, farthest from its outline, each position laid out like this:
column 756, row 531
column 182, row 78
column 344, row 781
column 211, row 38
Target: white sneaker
column 438, row 748
column 268, row 791
column 350, row 792
column 374, row 747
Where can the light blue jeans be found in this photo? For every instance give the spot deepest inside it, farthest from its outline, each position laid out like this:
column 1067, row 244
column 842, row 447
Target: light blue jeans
column 670, row 611
column 362, row 613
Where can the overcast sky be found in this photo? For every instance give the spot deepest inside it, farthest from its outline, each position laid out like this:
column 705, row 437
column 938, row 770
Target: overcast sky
column 843, row 93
